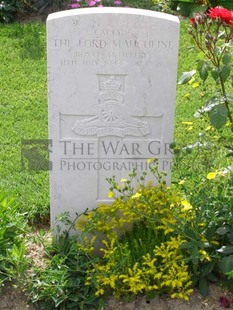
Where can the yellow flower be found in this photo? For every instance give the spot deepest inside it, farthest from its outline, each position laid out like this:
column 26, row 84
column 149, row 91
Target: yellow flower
column 187, row 123
column 100, row 291
column 186, row 95
column 137, row 195
column 191, row 81
column 123, row 180
column 150, row 160
column 208, row 128
column 195, row 85
column 211, row 175
column 202, row 224
column 214, row 242
column 204, row 255
column 181, row 182
column 186, row 205
column 110, row 194
column 88, row 281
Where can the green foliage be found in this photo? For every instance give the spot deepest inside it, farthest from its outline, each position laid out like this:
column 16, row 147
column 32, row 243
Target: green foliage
column 7, row 11
column 204, row 177
column 12, row 246
column 45, row 6
column 142, row 4
column 61, row 283
column 209, row 233
column 165, row 6
column 10, row 8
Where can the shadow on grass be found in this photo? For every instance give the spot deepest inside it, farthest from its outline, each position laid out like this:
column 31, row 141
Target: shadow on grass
column 30, row 40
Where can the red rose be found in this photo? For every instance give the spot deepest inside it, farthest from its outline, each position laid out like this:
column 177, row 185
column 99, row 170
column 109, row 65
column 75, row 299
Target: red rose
column 224, row 14
column 192, row 21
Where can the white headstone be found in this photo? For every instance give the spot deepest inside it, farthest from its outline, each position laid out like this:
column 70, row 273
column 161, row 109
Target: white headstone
column 112, row 84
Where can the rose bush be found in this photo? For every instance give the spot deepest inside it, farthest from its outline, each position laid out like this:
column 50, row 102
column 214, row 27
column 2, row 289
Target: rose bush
column 212, row 33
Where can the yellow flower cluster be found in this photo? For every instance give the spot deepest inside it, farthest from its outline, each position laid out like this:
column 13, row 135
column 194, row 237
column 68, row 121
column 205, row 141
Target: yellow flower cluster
column 154, row 203
column 173, row 270
column 204, row 255
column 161, row 268
column 164, row 270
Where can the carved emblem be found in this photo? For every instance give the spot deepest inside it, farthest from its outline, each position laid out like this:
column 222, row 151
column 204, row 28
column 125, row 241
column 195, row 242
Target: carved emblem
column 112, row 117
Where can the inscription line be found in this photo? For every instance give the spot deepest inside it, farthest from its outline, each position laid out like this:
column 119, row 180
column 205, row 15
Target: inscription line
column 113, row 158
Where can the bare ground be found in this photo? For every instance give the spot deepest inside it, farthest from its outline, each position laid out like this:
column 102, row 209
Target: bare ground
column 11, row 298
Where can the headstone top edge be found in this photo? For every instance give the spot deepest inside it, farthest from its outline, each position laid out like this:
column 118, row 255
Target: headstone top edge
column 111, row 10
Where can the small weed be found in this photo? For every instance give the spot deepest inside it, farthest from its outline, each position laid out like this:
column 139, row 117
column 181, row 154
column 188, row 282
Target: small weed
column 61, row 284
column 12, row 240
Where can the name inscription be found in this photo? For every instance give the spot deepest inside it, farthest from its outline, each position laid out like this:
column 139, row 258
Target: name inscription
column 101, row 43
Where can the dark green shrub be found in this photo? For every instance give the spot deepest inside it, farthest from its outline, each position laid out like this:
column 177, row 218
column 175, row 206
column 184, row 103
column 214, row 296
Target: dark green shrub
column 10, row 9
column 48, row 6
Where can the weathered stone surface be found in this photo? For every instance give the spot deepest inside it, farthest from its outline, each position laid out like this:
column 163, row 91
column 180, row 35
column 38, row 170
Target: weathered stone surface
column 112, row 82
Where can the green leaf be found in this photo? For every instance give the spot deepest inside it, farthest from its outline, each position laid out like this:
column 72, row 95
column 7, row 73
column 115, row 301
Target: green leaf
column 203, row 70
column 228, row 249
column 222, row 34
column 218, row 116
column 230, row 236
column 186, row 77
column 187, row 245
column 210, row 232
column 207, row 268
column 215, row 75
column 223, row 230
column 211, row 277
column 203, row 286
column 228, row 97
column 226, row 59
column 190, row 233
column 60, row 300
column 226, row 264
column 209, row 105
column 225, row 72
column 201, row 55
column 195, row 255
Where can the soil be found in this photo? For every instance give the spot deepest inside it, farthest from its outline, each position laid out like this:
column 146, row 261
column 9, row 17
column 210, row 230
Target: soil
column 11, row 298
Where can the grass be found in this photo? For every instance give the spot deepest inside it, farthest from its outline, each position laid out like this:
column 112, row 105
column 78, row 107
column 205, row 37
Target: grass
column 23, row 112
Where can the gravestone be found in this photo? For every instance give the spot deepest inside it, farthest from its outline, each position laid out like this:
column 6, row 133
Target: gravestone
column 111, row 88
